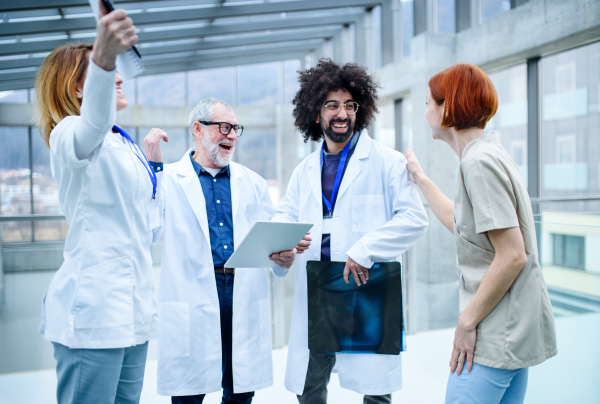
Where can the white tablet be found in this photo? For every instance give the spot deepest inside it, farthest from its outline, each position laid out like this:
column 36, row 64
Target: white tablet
column 264, row 239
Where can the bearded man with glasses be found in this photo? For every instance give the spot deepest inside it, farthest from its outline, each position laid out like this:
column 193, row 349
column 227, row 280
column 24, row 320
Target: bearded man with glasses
column 213, row 335
column 365, row 208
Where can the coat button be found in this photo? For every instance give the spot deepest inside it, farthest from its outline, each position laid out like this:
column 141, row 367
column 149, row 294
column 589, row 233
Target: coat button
column 218, row 201
column 225, row 247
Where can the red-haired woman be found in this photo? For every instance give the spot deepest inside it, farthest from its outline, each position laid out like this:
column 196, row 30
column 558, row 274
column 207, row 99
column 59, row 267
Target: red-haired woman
column 506, row 323
column 99, row 311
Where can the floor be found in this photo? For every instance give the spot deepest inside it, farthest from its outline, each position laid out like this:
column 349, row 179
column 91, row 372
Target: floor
column 570, row 377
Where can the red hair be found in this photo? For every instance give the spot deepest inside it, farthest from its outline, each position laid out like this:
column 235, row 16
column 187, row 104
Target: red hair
column 469, row 95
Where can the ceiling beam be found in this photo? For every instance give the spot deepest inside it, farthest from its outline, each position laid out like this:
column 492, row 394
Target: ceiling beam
column 184, row 33
column 166, row 48
column 230, row 55
column 193, row 64
column 20, row 5
column 22, row 28
column 224, row 62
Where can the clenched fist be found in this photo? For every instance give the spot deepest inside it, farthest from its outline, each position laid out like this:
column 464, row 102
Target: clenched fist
column 115, row 34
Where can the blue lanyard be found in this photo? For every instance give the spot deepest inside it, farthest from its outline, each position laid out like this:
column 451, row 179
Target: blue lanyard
column 338, row 176
column 145, row 162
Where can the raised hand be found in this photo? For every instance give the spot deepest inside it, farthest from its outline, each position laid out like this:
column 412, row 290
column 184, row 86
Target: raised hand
column 152, row 144
column 413, row 166
column 115, row 34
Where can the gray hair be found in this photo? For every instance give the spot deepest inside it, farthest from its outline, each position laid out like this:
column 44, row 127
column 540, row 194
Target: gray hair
column 204, row 111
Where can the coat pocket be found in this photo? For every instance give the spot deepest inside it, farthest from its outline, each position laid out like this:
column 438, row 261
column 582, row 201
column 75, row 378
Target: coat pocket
column 264, row 314
column 104, row 297
column 368, row 213
column 174, row 340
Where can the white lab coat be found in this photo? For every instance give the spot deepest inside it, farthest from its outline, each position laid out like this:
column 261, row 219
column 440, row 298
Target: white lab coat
column 189, row 348
column 377, row 217
column 103, row 294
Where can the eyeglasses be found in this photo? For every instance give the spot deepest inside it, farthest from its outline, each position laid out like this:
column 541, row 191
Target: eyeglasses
column 333, row 108
column 226, row 127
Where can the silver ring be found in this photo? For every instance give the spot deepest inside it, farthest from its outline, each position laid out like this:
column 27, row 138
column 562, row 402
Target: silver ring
column 360, row 273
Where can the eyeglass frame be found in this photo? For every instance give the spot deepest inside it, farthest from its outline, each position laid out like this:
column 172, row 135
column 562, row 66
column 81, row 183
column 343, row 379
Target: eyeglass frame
column 340, row 106
column 240, row 127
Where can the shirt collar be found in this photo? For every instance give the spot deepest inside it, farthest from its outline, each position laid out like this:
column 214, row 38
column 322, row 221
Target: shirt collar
column 352, row 143
column 200, row 170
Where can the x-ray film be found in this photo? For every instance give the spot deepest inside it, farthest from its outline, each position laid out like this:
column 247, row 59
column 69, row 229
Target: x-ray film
column 345, row 318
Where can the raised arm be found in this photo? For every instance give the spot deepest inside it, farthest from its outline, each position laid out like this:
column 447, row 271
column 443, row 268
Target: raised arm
column 115, row 34
column 441, row 206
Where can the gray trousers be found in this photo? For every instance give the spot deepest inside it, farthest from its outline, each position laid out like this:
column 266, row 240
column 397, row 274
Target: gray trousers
column 317, row 379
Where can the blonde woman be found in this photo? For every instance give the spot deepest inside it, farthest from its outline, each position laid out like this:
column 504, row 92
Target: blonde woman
column 506, row 323
column 99, row 311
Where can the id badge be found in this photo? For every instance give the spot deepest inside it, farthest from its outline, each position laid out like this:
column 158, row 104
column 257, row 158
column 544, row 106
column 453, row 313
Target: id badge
column 153, row 218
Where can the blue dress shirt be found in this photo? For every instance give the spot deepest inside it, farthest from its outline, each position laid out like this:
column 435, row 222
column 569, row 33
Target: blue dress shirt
column 217, row 194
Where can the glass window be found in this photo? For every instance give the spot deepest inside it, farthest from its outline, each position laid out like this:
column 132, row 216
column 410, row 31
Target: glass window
column 510, row 122
column 14, row 96
column 258, row 84
column 162, row 89
column 570, row 132
column 408, row 29
column 211, row 83
column 257, row 149
column 570, row 253
column 179, row 142
column 493, row 8
column 446, row 20
column 407, row 127
column 384, row 125
column 15, row 185
column 291, row 85
column 377, row 40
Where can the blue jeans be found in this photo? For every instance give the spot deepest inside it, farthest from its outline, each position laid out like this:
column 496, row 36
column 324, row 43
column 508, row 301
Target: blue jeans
column 225, row 292
column 486, row 385
column 100, row 376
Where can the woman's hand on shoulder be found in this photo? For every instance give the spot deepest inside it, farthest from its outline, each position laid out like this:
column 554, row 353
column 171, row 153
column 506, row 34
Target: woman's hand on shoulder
column 152, row 144
column 413, row 166
column 115, row 34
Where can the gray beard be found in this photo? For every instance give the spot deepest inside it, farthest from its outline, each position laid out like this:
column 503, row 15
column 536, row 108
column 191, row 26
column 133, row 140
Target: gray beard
column 213, row 151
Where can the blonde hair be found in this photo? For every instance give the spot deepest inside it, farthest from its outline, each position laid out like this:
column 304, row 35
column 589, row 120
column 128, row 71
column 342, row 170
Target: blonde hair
column 56, row 85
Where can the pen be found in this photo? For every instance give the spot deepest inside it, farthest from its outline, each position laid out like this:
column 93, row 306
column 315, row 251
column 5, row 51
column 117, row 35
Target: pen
column 109, row 7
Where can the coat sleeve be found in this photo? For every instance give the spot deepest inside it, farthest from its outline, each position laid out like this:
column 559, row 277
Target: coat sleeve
column 287, row 211
column 407, row 224
column 160, row 204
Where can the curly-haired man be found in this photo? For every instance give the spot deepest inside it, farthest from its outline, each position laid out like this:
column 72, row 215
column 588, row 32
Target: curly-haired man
column 365, row 208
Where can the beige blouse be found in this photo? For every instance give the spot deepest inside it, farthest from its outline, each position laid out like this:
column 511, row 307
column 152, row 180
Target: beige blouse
column 491, row 194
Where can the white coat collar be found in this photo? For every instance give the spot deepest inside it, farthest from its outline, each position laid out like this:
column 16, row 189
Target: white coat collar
column 193, row 190
column 363, row 148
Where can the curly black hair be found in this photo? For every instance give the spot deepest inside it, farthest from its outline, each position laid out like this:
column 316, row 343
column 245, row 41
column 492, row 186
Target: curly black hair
column 327, row 76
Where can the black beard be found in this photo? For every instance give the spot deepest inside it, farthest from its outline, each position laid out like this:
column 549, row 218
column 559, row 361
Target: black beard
column 334, row 136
